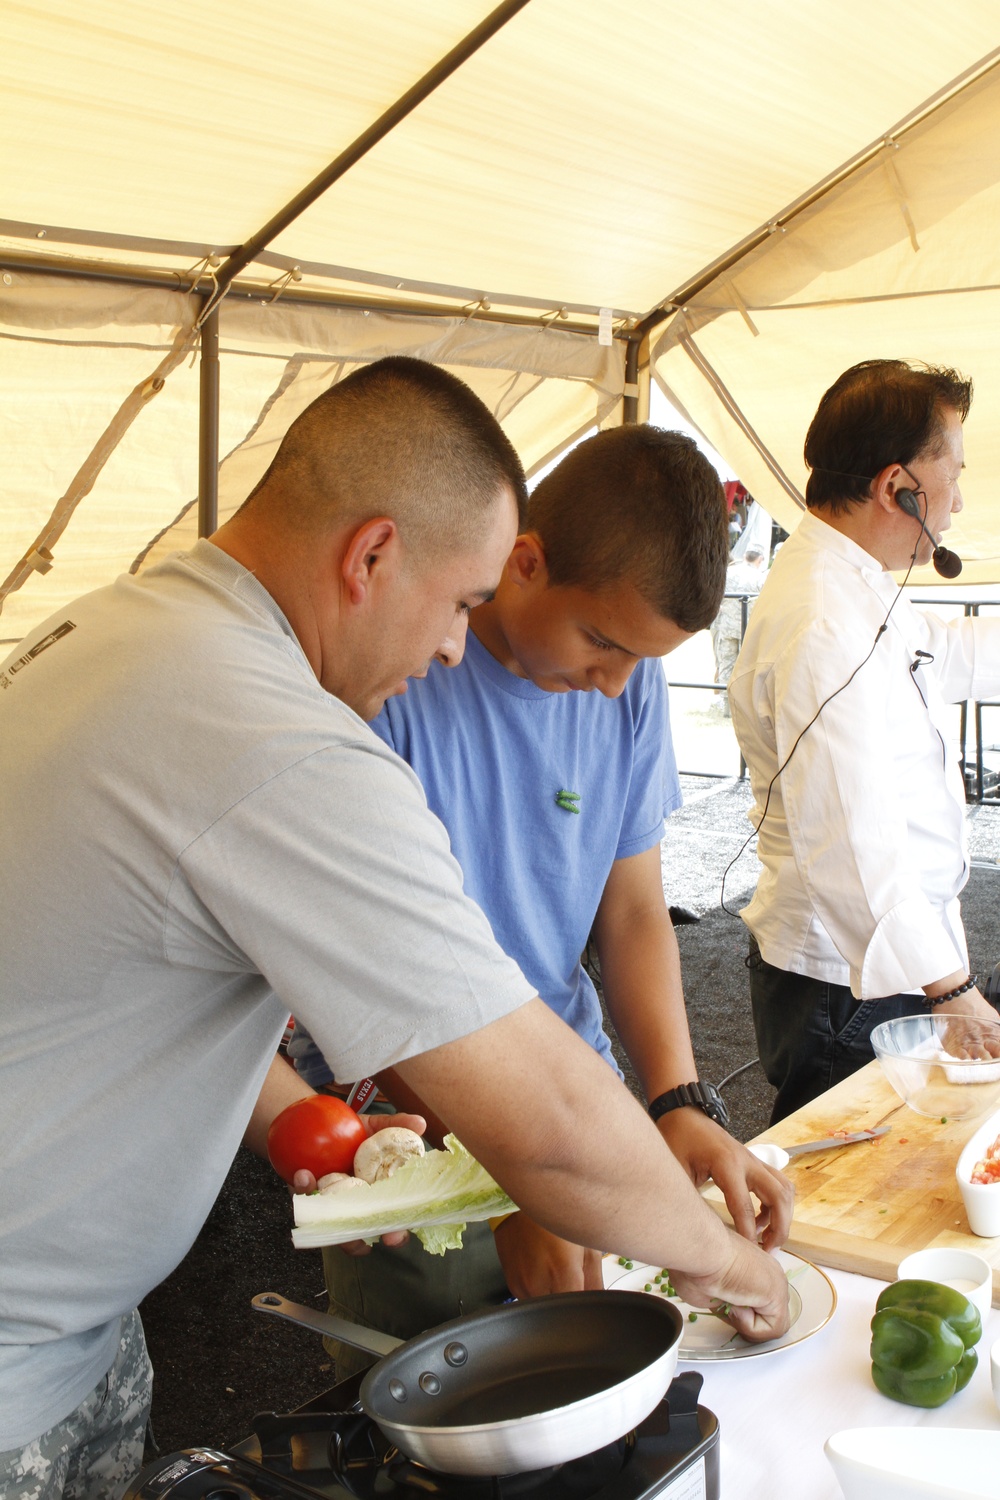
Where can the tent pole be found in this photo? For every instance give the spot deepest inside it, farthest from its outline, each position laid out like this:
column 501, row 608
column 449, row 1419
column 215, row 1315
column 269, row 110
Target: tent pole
column 208, row 435
column 208, row 427
column 630, row 400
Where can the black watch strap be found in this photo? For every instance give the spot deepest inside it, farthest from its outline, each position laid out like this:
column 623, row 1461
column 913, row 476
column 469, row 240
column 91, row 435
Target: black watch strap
column 703, row 1096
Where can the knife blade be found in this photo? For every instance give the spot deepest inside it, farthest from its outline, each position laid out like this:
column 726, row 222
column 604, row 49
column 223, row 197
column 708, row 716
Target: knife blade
column 837, row 1140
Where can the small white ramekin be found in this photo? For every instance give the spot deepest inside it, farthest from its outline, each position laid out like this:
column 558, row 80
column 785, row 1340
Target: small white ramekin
column 962, row 1269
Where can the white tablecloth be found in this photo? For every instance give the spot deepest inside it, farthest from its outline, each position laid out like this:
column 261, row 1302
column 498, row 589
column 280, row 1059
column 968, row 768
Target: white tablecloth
column 776, row 1411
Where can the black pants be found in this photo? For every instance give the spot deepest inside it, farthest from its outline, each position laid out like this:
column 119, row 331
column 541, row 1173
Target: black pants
column 812, row 1034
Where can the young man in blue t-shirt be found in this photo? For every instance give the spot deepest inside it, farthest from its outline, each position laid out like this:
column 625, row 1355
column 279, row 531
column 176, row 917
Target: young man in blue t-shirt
column 546, row 753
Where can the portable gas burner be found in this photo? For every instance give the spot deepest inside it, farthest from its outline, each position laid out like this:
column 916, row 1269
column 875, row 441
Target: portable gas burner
column 329, row 1447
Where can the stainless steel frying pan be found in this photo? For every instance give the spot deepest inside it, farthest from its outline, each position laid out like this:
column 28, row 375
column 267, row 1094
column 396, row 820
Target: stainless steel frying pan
column 517, row 1387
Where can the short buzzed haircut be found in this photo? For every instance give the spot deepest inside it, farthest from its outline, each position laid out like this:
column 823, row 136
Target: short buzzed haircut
column 400, row 438
column 637, row 505
column 880, row 412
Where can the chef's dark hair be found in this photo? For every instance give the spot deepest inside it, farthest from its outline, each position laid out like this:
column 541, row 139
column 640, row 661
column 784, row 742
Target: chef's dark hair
column 880, row 412
column 637, row 504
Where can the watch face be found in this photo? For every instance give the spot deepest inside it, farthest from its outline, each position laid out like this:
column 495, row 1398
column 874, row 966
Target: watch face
column 714, row 1105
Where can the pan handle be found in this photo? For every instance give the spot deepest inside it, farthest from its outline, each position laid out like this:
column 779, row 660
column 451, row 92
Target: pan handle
column 368, row 1339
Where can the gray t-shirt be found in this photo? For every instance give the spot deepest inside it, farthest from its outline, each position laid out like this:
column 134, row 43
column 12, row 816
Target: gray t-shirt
column 196, row 840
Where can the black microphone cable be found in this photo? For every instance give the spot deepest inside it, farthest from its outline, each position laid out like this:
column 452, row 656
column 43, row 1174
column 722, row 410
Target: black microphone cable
column 803, row 732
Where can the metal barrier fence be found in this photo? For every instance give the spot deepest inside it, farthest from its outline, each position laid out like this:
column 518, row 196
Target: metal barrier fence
column 982, row 783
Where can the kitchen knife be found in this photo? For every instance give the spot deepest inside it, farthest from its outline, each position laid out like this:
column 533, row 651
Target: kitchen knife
column 837, row 1140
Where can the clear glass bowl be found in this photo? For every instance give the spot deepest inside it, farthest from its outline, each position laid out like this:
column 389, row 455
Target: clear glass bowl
column 921, row 1058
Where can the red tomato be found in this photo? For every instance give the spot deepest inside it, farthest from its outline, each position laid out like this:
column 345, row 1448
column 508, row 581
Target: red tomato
column 319, row 1134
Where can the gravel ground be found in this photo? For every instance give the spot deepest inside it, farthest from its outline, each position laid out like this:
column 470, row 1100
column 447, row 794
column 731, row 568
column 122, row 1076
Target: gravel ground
column 217, row 1363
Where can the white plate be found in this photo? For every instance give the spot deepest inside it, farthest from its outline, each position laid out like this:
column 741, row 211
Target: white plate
column 812, row 1301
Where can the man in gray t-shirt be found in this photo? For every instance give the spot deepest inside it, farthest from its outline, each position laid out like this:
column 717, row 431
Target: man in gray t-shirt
column 201, row 834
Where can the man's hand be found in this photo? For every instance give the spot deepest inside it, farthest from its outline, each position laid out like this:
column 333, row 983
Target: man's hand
column 968, row 1042
column 305, row 1182
column 753, row 1291
column 706, row 1151
column 536, row 1262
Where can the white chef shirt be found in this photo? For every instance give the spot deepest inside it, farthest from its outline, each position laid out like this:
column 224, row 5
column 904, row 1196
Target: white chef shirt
column 863, row 844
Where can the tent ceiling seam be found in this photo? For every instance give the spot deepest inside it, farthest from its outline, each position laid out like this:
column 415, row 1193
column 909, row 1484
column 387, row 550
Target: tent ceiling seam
column 465, row 295
column 548, row 316
column 21, row 229
column 462, row 295
column 722, row 308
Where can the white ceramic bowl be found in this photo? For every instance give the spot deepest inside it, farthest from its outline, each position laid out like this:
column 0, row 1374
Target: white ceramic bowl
column 915, row 1463
column 961, row 1269
column 771, row 1155
column 981, row 1200
column 913, row 1057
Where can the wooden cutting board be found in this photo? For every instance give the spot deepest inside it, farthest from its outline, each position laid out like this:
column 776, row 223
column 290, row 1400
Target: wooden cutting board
column 864, row 1207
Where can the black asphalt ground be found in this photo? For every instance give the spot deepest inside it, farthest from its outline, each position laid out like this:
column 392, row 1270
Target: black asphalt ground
column 217, row 1363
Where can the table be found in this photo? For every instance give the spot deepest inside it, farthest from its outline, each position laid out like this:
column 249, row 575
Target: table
column 859, row 1210
column 777, row 1410
column 863, row 1208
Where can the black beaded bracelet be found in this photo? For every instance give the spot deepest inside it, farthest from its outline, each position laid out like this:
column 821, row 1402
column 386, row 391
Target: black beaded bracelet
column 963, row 989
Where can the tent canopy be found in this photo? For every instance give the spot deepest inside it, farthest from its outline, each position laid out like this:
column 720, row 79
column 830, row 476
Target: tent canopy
column 735, row 201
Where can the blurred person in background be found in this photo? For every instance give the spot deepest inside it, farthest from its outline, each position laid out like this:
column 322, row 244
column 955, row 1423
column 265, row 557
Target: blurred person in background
column 744, row 576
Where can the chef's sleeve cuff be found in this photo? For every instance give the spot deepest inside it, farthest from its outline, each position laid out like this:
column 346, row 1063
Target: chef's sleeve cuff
column 910, row 947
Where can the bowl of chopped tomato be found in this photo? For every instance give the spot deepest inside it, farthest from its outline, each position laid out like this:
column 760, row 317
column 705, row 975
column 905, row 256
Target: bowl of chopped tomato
column 978, row 1174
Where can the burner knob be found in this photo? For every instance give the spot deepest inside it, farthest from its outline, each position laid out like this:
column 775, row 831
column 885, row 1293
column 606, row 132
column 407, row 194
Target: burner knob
column 457, row 1354
column 397, row 1390
column 429, row 1383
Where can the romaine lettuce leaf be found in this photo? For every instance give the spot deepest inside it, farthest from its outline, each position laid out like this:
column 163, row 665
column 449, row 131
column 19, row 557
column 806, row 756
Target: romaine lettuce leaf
column 435, row 1195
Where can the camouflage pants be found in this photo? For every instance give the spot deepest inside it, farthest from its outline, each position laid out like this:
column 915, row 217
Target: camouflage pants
column 96, row 1451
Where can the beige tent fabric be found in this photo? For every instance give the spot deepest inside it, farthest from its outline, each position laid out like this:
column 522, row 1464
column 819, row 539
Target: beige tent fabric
column 71, row 352
column 589, row 157
column 902, row 259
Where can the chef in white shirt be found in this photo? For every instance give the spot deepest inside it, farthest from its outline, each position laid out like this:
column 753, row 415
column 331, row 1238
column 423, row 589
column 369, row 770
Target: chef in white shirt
column 842, row 687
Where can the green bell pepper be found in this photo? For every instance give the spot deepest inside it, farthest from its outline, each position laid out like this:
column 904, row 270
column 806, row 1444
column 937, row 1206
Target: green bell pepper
column 922, row 1342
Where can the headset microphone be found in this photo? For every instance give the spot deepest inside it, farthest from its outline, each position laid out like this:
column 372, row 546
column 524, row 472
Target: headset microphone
column 947, row 564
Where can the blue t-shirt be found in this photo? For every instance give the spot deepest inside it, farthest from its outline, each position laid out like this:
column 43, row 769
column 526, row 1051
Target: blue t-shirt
column 494, row 752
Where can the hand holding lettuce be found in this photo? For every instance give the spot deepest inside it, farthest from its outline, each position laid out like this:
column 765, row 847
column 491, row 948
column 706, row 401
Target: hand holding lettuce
column 434, row 1195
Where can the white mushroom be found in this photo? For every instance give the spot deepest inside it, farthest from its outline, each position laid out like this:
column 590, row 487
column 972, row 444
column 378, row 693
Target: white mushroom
column 380, row 1155
column 334, row 1182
